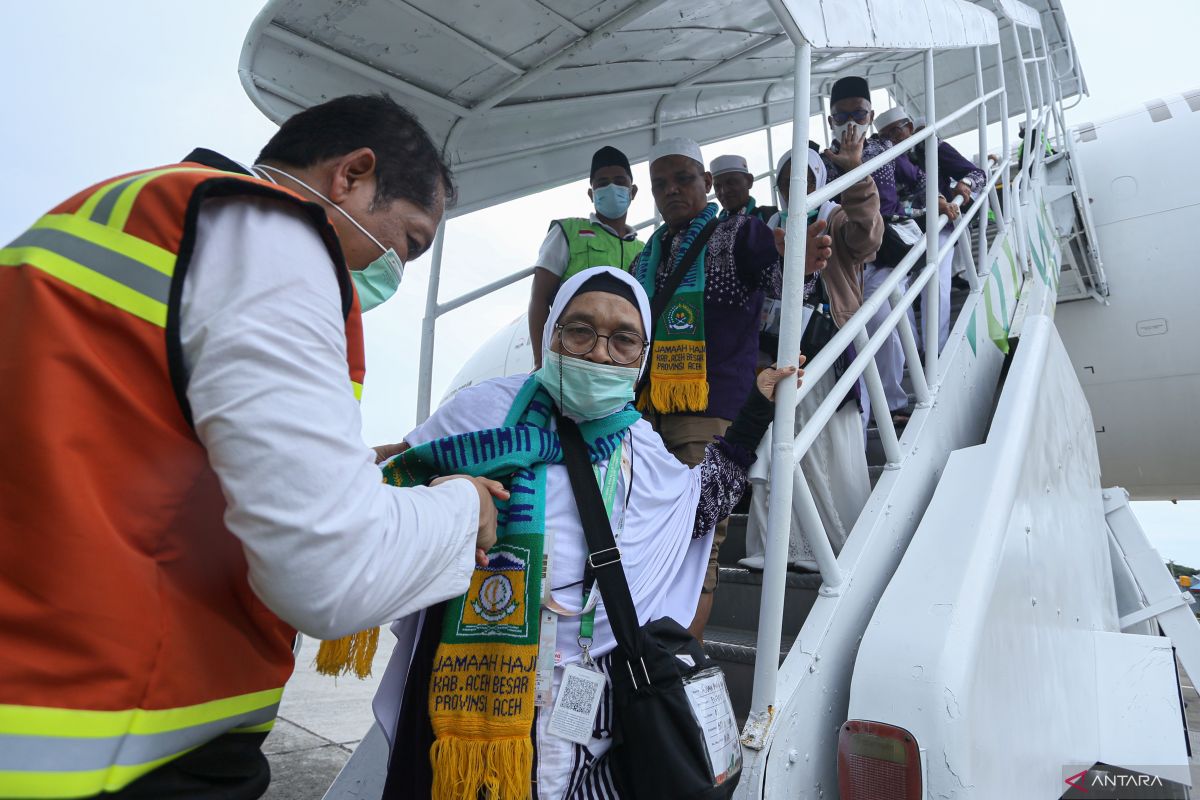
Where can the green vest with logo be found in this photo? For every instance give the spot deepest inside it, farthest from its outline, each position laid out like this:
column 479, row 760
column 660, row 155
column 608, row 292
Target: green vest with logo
column 591, row 245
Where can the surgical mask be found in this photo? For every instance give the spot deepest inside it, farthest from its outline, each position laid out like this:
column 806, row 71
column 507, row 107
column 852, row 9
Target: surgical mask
column 584, row 390
column 611, row 201
column 379, row 280
column 839, row 131
column 812, row 216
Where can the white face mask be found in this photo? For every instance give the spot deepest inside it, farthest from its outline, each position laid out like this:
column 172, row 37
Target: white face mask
column 839, row 131
column 380, row 279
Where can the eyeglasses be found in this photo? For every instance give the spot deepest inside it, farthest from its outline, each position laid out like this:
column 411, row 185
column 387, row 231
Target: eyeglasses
column 859, row 115
column 579, row 339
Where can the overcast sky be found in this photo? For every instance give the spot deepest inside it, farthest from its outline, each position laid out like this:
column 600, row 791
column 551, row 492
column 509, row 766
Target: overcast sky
column 96, row 89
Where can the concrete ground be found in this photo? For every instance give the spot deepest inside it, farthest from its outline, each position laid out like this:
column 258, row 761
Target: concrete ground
column 321, row 721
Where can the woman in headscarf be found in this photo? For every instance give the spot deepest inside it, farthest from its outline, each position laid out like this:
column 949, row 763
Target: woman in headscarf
column 835, row 466
column 461, row 699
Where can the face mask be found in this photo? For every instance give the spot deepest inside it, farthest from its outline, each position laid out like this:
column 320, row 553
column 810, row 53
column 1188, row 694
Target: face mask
column 839, row 131
column 611, row 201
column 380, row 279
column 588, row 391
column 812, row 217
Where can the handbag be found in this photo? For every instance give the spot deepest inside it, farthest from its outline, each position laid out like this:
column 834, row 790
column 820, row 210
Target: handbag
column 673, row 731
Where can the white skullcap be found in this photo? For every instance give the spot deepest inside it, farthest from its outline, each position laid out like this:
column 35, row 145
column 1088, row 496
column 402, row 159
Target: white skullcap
column 677, row 146
column 722, row 164
column 891, row 116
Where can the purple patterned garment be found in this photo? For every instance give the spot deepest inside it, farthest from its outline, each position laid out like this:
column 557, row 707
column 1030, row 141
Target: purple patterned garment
column 739, row 264
column 723, row 481
column 887, row 177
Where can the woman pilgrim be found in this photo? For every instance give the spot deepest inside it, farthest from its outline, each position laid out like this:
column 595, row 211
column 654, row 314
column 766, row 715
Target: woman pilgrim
column 458, row 698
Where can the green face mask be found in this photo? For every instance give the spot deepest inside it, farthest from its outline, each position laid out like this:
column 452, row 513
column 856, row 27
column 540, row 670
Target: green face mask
column 377, row 281
column 586, row 391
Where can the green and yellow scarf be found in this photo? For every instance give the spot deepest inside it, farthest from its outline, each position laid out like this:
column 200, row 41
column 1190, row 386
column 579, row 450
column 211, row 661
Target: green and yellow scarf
column 482, row 688
column 678, row 365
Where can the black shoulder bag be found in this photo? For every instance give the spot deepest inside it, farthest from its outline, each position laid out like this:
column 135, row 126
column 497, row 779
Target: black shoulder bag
column 663, row 296
column 659, row 673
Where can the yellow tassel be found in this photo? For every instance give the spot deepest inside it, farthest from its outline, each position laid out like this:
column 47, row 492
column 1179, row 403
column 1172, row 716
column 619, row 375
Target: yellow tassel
column 501, row 767
column 670, row 396
column 355, row 652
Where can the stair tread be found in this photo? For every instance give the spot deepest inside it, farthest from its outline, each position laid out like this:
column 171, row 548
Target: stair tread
column 741, row 646
column 795, row 580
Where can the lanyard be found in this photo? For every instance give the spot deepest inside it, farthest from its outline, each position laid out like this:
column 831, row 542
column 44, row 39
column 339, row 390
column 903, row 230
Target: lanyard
column 552, row 610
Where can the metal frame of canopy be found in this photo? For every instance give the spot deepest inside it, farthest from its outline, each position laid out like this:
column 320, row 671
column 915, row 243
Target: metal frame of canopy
column 873, row 35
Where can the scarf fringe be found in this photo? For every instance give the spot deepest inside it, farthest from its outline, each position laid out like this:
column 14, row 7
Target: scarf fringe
column 669, row 396
column 501, row 767
column 355, row 652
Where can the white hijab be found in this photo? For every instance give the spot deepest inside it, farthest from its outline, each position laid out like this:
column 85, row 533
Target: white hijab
column 663, row 564
column 567, row 292
column 820, row 174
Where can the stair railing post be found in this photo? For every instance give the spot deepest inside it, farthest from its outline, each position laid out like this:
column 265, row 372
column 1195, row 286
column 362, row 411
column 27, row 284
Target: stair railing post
column 982, row 193
column 929, row 303
column 783, row 434
column 429, row 327
column 1006, row 145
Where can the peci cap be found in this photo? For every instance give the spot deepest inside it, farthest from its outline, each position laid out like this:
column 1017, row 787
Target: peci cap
column 609, row 157
column 677, row 146
column 722, row 164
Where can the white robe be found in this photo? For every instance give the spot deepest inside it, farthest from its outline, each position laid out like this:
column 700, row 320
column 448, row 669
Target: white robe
column 663, row 564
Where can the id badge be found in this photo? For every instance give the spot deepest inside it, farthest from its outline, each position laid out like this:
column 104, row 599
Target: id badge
column 579, row 695
column 547, row 658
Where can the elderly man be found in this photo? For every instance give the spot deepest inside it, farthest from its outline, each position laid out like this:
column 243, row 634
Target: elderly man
column 184, row 482
column 732, row 181
column 574, row 244
column 850, row 118
column 704, row 340
column 957, row 177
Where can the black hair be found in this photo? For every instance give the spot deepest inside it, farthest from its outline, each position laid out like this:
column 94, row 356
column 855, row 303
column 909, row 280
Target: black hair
column 407, row 163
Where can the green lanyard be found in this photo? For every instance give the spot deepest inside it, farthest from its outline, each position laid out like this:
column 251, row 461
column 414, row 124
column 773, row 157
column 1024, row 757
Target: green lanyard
column 608, row 489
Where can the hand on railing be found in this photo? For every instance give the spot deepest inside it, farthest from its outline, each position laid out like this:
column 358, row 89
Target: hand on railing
column 818, row 250
column 950, row 210
column 770, row 377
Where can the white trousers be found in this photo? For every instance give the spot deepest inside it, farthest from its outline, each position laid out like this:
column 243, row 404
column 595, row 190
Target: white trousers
column 890, row 358
column 835, row 468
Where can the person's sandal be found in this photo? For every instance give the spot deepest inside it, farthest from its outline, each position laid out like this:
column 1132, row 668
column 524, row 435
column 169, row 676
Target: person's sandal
column 899, row 420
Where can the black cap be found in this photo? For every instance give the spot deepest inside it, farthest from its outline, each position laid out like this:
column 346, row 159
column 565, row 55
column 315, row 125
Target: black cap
column 609, row 284
column 609, row 157
column 850, row 86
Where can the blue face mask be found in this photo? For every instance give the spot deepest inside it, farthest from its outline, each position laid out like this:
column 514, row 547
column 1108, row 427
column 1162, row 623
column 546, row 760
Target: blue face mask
column 612, row 201
column 379, row 280
column 588, row 391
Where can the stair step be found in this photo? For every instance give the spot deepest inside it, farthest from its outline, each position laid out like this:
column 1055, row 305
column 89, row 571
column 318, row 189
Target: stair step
column 736, row 651
column 732, row 645
column 739, row 590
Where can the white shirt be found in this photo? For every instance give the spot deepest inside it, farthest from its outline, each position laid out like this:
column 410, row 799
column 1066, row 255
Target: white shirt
column 330, row 548
column 555, row 252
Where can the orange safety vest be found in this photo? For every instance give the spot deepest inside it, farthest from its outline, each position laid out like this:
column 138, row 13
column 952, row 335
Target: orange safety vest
column 129, row 633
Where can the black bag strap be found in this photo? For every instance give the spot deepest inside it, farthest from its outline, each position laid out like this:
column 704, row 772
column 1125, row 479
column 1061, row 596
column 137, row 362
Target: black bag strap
column 604, row 558
column 662, row 297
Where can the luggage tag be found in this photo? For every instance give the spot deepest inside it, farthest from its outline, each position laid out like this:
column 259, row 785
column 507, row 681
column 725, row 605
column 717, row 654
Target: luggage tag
column 579, row 695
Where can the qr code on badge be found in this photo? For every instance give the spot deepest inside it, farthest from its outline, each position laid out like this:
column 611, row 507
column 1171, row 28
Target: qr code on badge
column 577, row 694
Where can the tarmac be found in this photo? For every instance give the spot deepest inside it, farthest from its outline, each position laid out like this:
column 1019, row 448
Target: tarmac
column 322, row 720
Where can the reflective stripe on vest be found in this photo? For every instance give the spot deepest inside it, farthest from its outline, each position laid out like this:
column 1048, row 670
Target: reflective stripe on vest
column 89, row 250
column 58, row 752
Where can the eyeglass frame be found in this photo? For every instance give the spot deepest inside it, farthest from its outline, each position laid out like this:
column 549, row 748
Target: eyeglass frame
column 842, row 117
column 558, row 328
